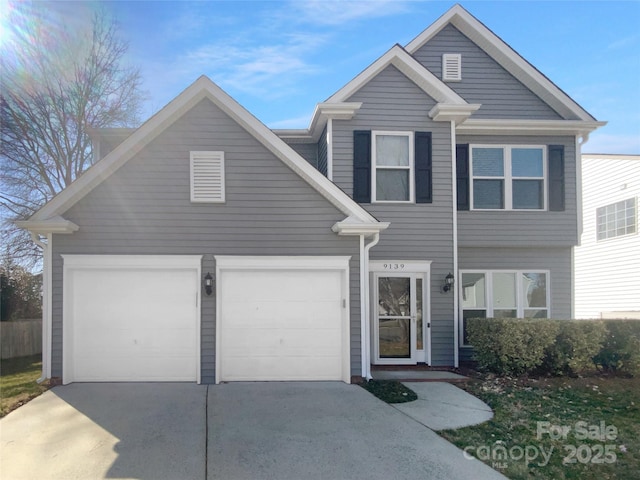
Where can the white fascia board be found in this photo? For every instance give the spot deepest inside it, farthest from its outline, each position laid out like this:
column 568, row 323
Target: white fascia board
column 351, row 226
column 124, row 152
column 502, row 53
column 284, row 152
column 443, row 112
column 527, row 127
column 322, row 113
column 410, row 67
column 53, row 225
column 197, row 91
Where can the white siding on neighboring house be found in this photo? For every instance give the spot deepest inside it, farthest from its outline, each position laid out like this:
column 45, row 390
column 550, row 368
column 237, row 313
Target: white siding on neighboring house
column 607, row 271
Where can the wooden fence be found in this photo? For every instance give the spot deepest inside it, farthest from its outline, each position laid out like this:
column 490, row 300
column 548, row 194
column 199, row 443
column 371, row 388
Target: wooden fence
column 20, row 338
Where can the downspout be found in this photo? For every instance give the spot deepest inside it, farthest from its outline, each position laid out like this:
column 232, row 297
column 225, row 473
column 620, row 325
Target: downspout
column 330, row 148
column 580, row 140
column 365, row 306
column 454, row 198
column 46, row 305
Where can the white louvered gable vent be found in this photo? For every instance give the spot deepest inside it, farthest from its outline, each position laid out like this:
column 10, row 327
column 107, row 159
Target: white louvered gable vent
column 207, row 177
column 451, row 67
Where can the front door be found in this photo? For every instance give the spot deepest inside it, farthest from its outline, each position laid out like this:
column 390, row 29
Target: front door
column 399, row 324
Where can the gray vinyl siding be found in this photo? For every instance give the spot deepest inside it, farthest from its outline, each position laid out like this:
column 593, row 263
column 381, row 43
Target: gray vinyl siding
column 501, row 228
column 556, row 260
column 322, row 153
column 391, row 101
column 308, row 151
column 145, row 208
column 484, row 81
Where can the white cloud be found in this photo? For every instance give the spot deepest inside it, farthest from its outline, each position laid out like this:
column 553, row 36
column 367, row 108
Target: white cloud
column 340, row 12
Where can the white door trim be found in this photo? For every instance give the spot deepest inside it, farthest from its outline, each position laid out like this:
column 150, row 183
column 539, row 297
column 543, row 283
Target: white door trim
column 341, row 263
column 72, row 263
column 400, row 268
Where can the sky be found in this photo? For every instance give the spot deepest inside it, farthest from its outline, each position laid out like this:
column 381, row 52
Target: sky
column 280, row 58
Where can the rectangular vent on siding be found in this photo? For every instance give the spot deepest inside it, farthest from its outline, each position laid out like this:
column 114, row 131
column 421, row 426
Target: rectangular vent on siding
column 451, row 67
column 207, row 177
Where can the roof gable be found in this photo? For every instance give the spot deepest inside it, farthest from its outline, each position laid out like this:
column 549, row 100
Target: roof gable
column 508, row 58
column 411, row 68
column 200, row 89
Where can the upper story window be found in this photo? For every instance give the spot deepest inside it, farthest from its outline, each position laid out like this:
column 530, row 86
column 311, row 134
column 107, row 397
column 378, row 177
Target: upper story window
column 508, row 177
column 617, row 219
column 207, row 177
column 392, row 167
column 503, row 294
column 393, row 161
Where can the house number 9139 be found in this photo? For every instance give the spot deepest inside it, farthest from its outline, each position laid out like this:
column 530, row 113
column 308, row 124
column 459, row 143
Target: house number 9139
column 393, row 266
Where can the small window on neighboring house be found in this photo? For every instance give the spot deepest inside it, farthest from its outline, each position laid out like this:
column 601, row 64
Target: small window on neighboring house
column 617, row 219
column 503, row 294
column 207, row 177
column 451, row 67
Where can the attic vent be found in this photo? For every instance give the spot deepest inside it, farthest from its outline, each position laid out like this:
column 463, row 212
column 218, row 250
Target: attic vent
column 207, row 177
column 451, row 67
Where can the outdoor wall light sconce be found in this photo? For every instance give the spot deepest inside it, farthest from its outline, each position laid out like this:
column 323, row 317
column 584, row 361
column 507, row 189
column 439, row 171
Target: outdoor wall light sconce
column 208, row 283
column 448, row 283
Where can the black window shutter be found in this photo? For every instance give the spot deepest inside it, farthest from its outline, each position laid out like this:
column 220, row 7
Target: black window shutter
column 462, row 176
column 362, row 166
column 423, row 167
column 556, row 177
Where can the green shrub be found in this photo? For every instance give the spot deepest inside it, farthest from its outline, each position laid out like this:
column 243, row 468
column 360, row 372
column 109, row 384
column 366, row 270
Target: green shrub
column 575, row 346
column 510, row 346
column 620, row 352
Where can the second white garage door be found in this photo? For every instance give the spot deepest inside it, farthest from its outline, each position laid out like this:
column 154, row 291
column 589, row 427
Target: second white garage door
column 282, row 318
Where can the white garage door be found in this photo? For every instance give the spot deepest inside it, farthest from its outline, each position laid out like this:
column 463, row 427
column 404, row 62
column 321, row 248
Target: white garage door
column 282, row 318
column 131, row 318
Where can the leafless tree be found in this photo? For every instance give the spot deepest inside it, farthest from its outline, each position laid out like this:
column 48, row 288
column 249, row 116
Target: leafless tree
column 56, row 85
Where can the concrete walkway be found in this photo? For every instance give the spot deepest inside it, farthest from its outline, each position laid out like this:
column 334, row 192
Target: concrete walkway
column 442, row 406
column 418, row 376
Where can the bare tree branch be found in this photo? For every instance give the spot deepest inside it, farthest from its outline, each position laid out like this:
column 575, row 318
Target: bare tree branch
column 56, row 85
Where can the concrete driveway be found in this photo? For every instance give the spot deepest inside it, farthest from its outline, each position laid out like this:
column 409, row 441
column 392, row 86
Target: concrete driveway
column 232, row 431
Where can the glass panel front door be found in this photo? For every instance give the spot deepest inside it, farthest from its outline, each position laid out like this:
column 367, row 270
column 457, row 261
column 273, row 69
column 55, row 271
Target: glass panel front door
column 394, row 317
column 399, row 318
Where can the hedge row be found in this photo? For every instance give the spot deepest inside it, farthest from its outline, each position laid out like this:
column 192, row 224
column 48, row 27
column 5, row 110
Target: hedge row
column 557, row 347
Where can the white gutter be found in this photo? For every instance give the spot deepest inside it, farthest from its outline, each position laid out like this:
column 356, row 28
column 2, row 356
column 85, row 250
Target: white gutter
column 454, row 197
column 365, row 308
column 330, row 148
column 46, row 305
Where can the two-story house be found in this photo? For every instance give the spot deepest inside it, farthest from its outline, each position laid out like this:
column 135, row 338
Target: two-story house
column 439, row 184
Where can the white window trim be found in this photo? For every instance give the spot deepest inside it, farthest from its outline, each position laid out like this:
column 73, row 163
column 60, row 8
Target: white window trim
column 625, row 235
column 213, row 156
column 374, row 166
column 488, row 300
column 508, row 179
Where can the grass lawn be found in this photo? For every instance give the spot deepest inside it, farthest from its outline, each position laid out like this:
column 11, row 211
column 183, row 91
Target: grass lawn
column 576, row 428
column 18, row 382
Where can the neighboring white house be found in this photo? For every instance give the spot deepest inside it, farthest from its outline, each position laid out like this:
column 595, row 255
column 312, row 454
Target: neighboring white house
column 607, row 262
